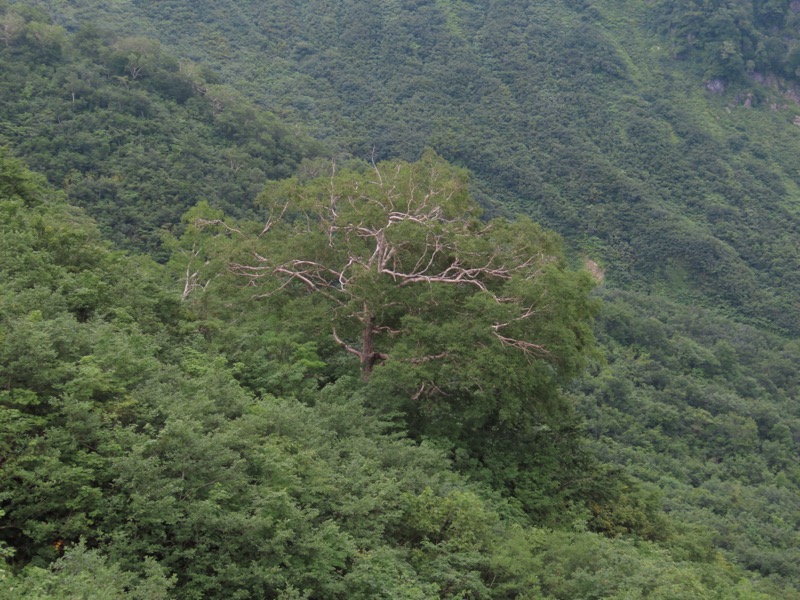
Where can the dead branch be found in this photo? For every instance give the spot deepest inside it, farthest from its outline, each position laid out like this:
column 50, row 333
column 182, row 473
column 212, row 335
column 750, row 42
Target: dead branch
column 345, row 345
column 424, row 359
column 524, row 345
column 428, row 385
column 201, row 223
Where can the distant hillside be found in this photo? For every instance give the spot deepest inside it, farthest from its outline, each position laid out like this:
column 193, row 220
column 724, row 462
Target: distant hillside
column 730, row 39
column 129, row 132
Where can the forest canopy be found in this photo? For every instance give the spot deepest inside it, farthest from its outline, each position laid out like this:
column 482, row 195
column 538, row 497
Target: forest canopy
column 139, row 462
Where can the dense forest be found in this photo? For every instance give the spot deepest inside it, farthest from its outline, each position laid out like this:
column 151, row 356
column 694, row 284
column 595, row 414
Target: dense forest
column 430, row 299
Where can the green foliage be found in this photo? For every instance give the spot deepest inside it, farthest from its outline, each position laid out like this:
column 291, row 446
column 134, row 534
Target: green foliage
column 702, row 408
column 84, row 574
column 135, row 465
column 734, row 37
column 70, row 352
column 130, row 133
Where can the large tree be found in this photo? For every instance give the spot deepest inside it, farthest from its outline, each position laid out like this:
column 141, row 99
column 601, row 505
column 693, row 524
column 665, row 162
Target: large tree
column 416, row 281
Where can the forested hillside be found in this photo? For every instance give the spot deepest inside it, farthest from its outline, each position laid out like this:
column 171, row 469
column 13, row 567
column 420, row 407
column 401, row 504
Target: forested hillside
column 581, row 115
column 132, row 134
column 151, row 457
column 356, row 368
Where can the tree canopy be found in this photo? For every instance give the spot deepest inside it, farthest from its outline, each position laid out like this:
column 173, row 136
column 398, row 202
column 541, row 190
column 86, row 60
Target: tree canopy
column 469, row 313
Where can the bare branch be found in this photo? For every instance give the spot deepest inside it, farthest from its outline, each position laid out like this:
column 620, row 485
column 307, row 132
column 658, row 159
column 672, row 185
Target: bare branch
column 201, row 223
column 271, row 221
column 191, row 279
column 428, row 385
column 529, row 312
column 524, row 345
column 345, row 345
column 424, row 359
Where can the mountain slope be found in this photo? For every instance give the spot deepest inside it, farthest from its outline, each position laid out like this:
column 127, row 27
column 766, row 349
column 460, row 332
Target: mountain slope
column 577, row 115
column 130, row 133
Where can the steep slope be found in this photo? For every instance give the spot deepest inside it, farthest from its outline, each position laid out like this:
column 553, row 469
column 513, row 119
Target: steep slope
column 129, row 132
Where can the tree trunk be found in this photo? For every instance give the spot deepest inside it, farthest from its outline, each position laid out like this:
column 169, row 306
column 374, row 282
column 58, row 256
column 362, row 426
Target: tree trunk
column 367, row 351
